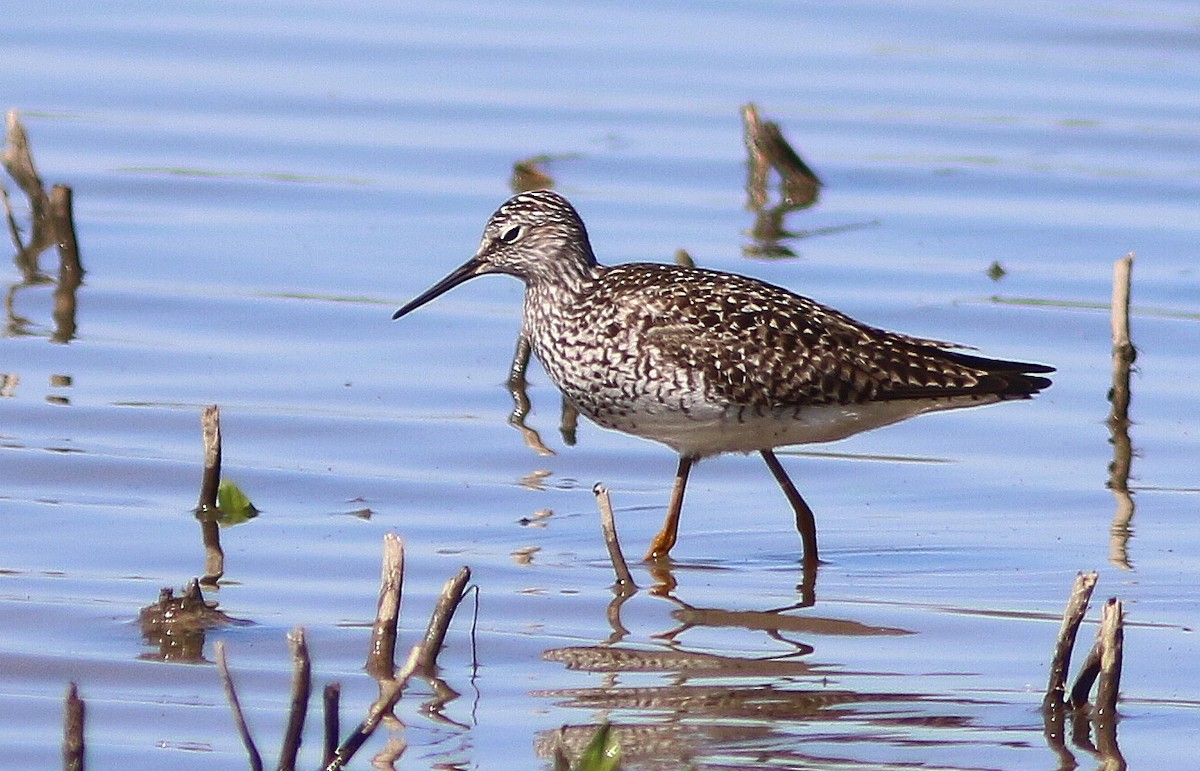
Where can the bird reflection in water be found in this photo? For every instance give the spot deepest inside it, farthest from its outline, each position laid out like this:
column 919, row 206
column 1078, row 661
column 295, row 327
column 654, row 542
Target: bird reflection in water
column 739, row 708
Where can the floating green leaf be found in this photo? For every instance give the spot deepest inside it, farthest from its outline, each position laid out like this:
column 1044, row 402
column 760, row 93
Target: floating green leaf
column 233, row 505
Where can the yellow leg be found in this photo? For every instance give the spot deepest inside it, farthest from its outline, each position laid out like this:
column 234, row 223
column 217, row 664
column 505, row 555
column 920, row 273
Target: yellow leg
column 661, row 546
column 806, row 524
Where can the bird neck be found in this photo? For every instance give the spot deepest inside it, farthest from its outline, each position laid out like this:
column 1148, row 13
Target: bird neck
column 568, row 275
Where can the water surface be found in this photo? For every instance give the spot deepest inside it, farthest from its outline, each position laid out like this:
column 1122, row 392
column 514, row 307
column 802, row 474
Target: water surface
column 257, row 187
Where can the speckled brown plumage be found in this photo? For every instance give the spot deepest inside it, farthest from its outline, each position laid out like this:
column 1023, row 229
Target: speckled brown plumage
column 709, row 362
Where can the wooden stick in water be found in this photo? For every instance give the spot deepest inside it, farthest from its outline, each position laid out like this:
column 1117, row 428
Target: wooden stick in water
column 608, row 524
column 421, row 658
column 62, row 215
column 18, row 161
column 1105, row 716
column 210, row 429
column 70, row 271
column 210, row 482
column 439, row 620
column 239, row 719
column 73, row 719
column 389, row 694
column 1060, row 664
column 1120, row 395
column 381, row 658
column 301, row 690
column 1122, row 278
column 1112, row 653
column 332, row 699
column 1103, row 661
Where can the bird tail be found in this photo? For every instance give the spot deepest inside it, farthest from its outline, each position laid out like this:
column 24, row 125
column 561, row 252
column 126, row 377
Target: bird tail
column 1009, row 379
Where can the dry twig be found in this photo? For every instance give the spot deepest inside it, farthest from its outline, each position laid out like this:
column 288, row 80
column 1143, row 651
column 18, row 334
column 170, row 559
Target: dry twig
column 301, row 689
column 1103, row 661
column 331, row 697
column 381, row 659
column 439, row 620
column 768, row 149
column 73, row 719
column 18, row 160
column 239, row 719
column 210, row 428
column 70, row 270
column 422, row 659
column 389, row 694
column 1123, row 356
column 210, row 482
column 608, row 524
column 1112, row 649
column 1060, row 664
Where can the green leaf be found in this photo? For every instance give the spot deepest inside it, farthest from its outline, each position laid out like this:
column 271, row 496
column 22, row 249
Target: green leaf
column 232, row 504
column 602, row 753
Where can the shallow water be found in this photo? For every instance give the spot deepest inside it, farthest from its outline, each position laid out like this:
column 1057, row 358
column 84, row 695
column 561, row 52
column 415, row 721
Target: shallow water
column 257, row 187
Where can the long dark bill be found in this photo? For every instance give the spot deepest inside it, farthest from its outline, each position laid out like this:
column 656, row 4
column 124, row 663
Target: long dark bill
column 467, row 270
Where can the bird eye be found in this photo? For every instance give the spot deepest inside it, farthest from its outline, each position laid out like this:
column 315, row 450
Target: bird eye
column 510, row 235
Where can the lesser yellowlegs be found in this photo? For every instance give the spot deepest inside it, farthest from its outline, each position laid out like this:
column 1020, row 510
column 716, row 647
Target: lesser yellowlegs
column 708, row 362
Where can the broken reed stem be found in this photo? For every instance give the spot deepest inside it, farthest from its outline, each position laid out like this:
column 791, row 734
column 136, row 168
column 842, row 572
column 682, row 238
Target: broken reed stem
column 768, row 148
column 1123, row 352
column 210, row 428
column 1120, row 395
column 1089, row 670
column 62, row 215
column 1076, row 609
column 421, row 658
column 528, row 175
column 389, row 694
column 14, row 232
column 1103, row 661
column 333, row 729
column 381, row 658
column 18, row 160
column 301, row 690
column 757, row 163
column 1122, row 277
column 70, row 271
column 1112, row 649
column 73, row 718
column 53, row 222
column 239, row 719
column 439, row 620
column 608, row 524
column 210, row 482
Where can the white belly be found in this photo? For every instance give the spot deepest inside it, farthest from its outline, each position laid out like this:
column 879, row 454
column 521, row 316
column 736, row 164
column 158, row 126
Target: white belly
column 705, row 431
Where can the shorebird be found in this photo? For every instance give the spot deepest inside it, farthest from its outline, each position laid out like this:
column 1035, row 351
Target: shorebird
column 708, row 362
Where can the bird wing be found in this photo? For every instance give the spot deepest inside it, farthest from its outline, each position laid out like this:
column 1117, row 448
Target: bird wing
column 758, row 345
